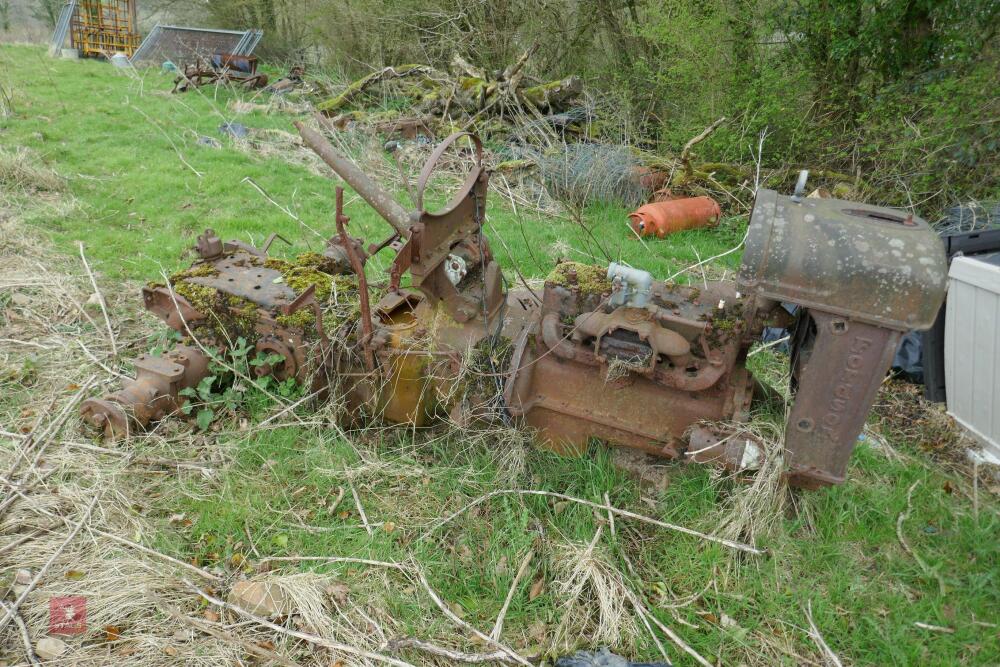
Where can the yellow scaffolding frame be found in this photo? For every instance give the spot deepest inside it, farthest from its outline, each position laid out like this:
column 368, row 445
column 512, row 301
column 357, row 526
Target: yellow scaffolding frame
column 104, row 27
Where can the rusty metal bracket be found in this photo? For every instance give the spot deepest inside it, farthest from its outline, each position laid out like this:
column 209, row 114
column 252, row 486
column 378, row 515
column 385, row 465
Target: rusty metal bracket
column 358, row 266
column 390, row 242
column 308, row 298
column 270, row 239
column 431, row 165
column 209, row 245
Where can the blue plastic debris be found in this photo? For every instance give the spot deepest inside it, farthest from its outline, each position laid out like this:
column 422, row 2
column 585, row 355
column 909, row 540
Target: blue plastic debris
column 234, row 130
column 211, row 142
column 602, row 658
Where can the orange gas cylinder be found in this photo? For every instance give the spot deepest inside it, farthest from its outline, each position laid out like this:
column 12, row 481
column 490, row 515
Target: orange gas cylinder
column 667, row 217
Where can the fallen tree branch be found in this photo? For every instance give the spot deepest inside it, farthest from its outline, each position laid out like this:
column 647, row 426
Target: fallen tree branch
column 132, row 460
column 686, row 151
column 249, row 646
column 732, row 544
column 517, row 658
column 152, row 552
column 11, row 610
column 304, row 636
column 521, row 570
column 29, row 650
column 644, row 616
column 675, row 638
column 934, row 628
column 512, row 73
column 814, row 632
column 36, row 443
column 451, row 654
column 902, row 540
column 332, row 559
column 27, row 537
column 362, row 84
column 100, row 301
column 117, row 538
column 361, row 508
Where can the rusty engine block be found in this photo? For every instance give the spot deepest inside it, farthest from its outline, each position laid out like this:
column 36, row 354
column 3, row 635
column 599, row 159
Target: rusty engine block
column 608, row 353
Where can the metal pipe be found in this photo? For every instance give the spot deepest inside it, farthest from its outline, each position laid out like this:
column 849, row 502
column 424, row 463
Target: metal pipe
column 553, row 338
column 378, row 198
column 636, row 288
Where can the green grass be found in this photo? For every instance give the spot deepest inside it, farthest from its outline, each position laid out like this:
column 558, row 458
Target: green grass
column 123, row 144
column 116, row 141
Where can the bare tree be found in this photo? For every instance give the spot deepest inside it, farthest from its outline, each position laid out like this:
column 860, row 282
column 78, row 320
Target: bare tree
column 46, row 11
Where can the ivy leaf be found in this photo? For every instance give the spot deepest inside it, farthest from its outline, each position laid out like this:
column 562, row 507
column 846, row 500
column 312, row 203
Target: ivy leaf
column 204, row 418
column 205, row 388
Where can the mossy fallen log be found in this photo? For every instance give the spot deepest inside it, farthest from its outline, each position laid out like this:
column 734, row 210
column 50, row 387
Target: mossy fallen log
column 509, row 166
column 553, row 96
column 330, row 106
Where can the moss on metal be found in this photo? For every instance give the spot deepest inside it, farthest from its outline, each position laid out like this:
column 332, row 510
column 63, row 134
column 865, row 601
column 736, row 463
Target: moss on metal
column 300, row 319
column 227, row 317
column 306, row 270
column 340, row 304
column 195, row 271
column 587, row 278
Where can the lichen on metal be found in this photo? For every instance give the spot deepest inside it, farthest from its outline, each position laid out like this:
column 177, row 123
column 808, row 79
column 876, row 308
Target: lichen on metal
column 869, row 263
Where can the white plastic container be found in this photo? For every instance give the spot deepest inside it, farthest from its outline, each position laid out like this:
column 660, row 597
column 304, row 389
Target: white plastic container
column 972, row 347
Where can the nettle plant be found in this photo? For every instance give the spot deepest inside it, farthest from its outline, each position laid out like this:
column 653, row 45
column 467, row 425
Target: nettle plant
column 231, row 385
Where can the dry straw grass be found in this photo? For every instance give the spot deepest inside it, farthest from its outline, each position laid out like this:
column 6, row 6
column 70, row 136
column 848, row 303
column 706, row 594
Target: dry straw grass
column 275, row 143
column 753, row 505
column 51, row 343
column 595, row 598
column 902, row 412
column 49, row 339
column 22, row 171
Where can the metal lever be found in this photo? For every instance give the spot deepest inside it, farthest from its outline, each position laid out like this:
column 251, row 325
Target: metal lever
column 800, row 186
column 270, row 239
column 358, row 266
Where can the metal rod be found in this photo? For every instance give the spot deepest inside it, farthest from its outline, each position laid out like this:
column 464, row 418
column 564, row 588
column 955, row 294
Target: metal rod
column 358, row 265
column 378, row 198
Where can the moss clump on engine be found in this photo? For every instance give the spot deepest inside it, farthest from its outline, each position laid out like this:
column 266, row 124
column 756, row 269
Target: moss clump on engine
column 300, row 319
column 588, row 279
column 318, row 262
column 227, row 317
column 305, row 271
column 340, row 302
column 724, row 323
column 196, row 271
column 202, row 298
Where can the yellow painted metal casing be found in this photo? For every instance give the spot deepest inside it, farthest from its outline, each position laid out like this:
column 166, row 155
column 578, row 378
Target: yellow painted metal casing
column 406, row 396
